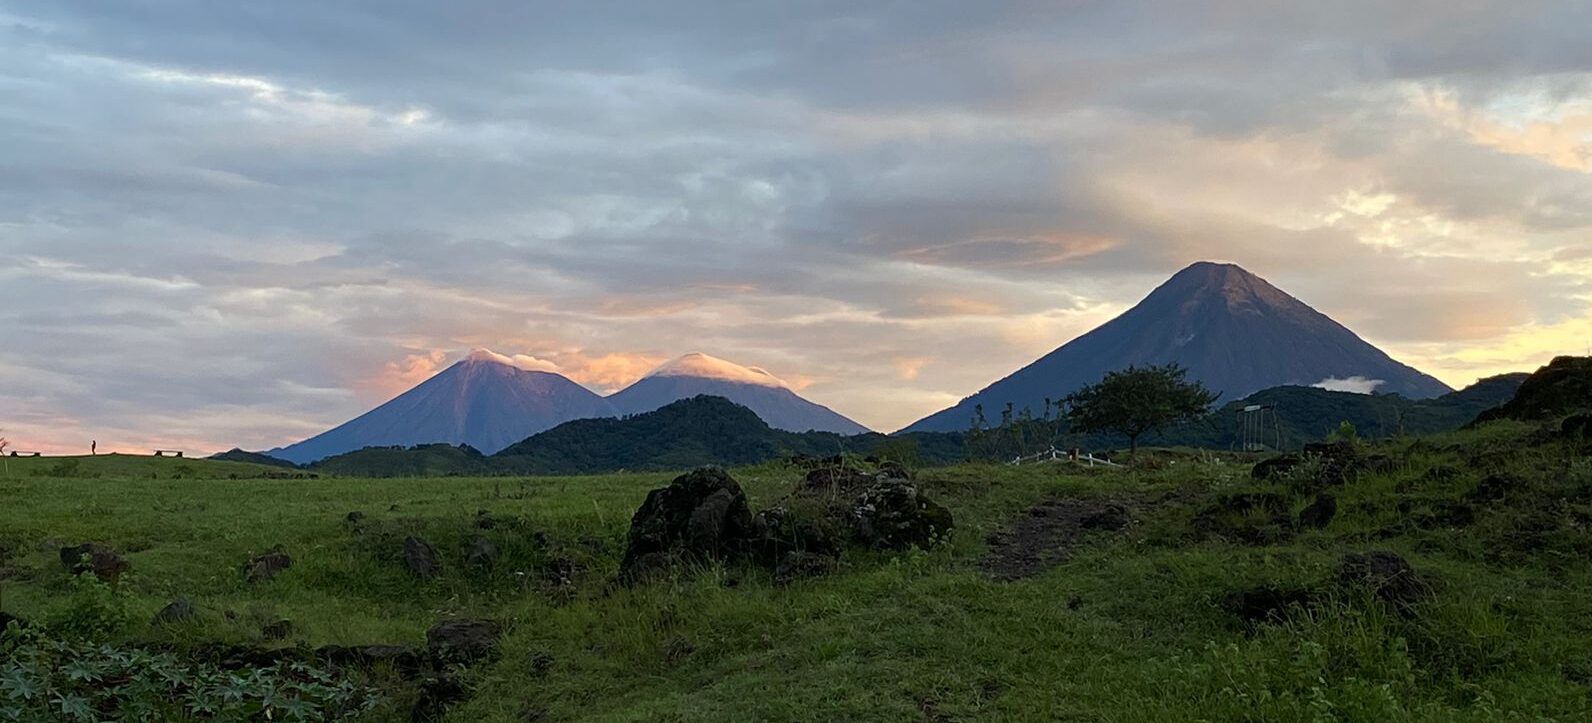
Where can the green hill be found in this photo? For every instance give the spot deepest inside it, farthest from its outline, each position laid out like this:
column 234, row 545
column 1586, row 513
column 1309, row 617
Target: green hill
column 424, row 460
column 239, row 455
column 130, row 466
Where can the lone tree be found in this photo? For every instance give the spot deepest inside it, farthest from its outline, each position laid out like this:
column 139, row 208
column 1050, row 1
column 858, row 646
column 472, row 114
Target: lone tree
column 1136, row 400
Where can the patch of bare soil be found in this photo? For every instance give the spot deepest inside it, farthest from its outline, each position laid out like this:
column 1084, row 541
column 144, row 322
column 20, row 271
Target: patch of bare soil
column 1047, row 534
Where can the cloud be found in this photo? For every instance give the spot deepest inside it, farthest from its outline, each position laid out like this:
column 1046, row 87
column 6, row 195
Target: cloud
column 219, row 230
column 1353, row 385
column 519, row 361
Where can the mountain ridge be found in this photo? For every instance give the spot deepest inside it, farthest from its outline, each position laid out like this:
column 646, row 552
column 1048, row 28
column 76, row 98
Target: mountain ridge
column 483, row 401
column 1234, row 331
column 697, row 374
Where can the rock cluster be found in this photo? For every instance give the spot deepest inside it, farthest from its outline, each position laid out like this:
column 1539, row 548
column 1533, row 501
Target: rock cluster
column 703, row 515
column 92, row 557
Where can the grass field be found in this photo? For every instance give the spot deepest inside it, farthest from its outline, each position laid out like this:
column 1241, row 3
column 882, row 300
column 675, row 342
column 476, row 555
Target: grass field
column 1132, row 627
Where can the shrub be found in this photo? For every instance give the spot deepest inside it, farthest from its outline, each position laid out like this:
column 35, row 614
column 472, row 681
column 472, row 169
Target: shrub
column 94, row 610
column 42, row 679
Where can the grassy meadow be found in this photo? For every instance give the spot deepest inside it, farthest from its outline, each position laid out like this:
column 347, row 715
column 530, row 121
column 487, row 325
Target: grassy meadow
column 1126, row 626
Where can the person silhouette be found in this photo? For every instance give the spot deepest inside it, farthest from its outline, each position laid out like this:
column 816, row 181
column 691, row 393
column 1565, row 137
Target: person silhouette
column 93, row 447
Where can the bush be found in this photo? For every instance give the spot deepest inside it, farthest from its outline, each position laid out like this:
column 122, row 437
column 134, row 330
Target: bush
column 42, row 679
column 94, row 611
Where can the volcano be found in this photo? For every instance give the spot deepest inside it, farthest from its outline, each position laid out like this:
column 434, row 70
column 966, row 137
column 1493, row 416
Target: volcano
column 698, row 374
column 1231, row 329
column 484, row 401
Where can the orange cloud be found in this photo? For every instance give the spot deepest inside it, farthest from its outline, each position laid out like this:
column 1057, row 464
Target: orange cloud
column 395, row 378
column 958, row 306
column 1561, row 139
column 909, row 367
column 608, row 372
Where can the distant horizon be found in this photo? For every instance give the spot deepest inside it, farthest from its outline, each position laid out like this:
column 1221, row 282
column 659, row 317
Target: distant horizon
column 443, row 359
column 220, row 230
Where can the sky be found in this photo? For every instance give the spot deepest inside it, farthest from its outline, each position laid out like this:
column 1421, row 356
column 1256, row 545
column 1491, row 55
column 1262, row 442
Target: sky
column 238, row 224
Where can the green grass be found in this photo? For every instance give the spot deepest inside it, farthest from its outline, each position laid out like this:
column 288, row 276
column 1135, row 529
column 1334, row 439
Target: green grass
column 129, row 466
column 1130, row 629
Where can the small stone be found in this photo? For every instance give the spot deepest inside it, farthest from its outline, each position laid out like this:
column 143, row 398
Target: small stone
column 1387, row 576
column 1265, row 603
column 1319, row 513
column 482, row 553
column 177, row 611
column 420, row 558
column 264, row 568
column 463, row 640
column 279, row 630
column 795, row 565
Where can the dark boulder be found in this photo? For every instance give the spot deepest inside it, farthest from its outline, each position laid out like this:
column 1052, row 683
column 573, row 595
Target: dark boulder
column 263, row 568
column 177, row 611
column 701, row 515
column 104, row 562
column 1335, row 462
column 463, row 640
column 482, row 553
column 420, row 558
column 889, row 469
column 1250, row 518
column 1577, row 427
column 838, row 479
column 1433, row 514
column 1495, row 488
column 796, row 564
column 1318, row 514
column 277, row 630
column 1109, row 517
column 893, row 514
column 1242, row 502
column 436, row 696
column 778, row 531
column 1276, row 467
column 1385, row 575
column 1266, row 603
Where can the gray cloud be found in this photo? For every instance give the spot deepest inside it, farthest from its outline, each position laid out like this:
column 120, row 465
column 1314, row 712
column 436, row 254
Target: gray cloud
column 230, row 223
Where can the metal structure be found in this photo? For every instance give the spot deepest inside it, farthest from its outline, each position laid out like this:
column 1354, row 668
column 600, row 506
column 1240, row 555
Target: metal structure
column 1075, row 456
column 1257, row 425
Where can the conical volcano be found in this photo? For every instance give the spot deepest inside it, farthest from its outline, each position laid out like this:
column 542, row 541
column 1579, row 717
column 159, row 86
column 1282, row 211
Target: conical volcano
column 770, row 397
column 484, row 401
column 1231, row 329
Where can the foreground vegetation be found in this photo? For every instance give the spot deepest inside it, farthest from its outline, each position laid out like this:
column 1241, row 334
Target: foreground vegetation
column 1132, row 624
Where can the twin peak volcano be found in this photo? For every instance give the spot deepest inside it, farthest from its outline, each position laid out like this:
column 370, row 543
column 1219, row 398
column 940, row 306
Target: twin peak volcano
column 1232, row 330
column 490, row 401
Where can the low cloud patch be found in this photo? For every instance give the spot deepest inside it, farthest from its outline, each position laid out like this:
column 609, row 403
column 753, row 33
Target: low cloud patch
column 1353, row 385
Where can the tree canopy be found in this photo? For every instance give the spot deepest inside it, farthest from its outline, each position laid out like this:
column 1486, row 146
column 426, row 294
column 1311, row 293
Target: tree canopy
column 1136, row 400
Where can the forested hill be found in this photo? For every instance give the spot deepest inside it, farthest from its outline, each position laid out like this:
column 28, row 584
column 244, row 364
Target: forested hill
column 693, row 432
column 713, row 430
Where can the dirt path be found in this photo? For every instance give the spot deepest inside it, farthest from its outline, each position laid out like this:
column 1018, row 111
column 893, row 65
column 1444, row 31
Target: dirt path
column 1045, row 535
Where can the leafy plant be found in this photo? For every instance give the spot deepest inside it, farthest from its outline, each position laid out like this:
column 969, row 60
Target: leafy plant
column 94, row 610
column 43, row 679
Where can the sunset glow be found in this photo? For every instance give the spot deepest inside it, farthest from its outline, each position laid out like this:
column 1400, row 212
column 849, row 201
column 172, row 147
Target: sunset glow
column 219, row 231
